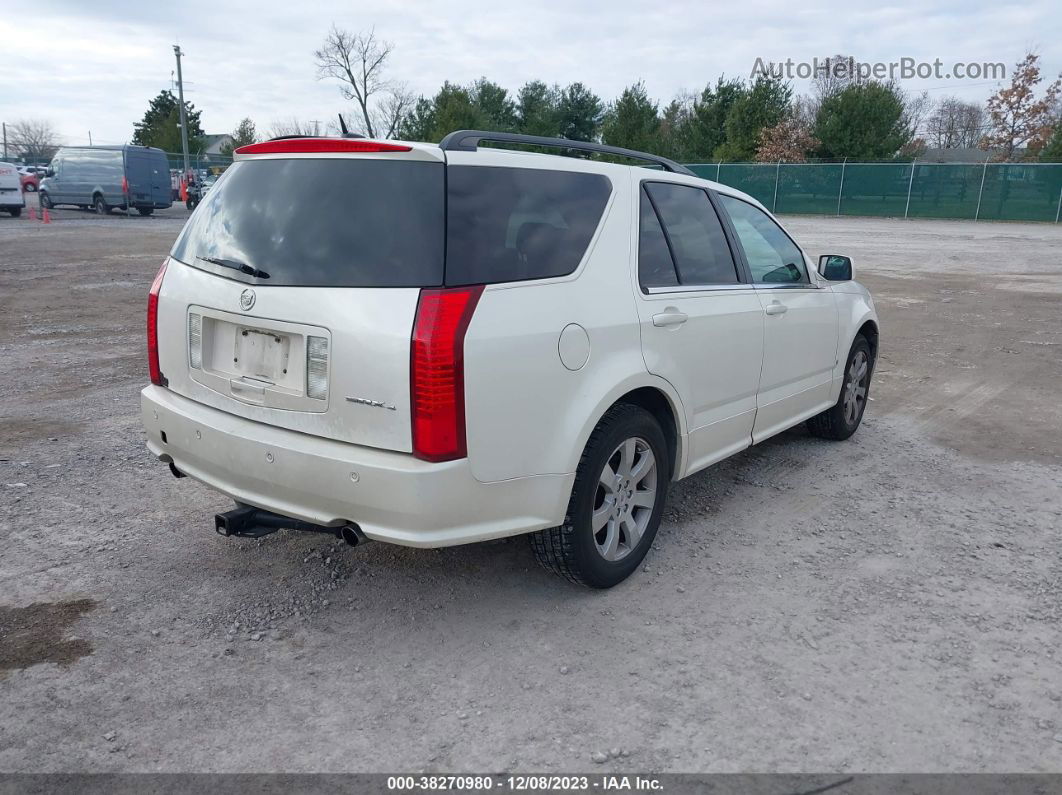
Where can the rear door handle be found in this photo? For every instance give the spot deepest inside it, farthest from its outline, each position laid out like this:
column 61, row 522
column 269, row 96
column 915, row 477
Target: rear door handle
column 670, row 317
column 776, row 308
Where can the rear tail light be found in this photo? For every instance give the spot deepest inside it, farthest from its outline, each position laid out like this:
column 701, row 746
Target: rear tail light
column 437, row 372
column 317, row 367
column 125, row 185
column 157, row 377
column 195, row 340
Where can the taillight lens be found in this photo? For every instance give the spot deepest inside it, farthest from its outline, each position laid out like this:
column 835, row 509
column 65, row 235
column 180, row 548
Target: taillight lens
column 157, row 377
column 195, row 340
column 317, row 367
column 125, row 185
column 437, row 372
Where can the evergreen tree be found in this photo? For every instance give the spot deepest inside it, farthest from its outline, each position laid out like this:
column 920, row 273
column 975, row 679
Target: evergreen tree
column 864, row 121
column 632, row 122
column 160, row 126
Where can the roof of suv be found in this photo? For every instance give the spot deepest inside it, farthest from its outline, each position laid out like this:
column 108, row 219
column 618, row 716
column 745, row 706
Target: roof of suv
column 459, row 144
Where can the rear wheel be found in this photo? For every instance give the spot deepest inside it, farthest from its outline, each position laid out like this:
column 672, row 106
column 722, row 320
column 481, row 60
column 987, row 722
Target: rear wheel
column 101, row 206
column 15, row 212
column 616, row 503
column 145, row 211
column 842, row 420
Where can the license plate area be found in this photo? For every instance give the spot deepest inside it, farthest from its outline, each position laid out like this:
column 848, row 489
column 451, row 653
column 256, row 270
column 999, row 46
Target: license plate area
column 255, row 360
column 262, row 355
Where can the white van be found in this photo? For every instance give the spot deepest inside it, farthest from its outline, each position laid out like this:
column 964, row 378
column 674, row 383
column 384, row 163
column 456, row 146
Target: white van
column 11, row 190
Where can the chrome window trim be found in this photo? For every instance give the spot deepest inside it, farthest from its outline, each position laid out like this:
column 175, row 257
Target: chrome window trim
column 696, row 288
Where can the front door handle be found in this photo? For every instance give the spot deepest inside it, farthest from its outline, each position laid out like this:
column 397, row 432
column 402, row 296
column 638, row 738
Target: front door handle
column 670, row 317
column 776, row 308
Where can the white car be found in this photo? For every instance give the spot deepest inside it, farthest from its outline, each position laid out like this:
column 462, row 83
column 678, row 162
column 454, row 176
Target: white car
column 440, row 344
column 11, row 200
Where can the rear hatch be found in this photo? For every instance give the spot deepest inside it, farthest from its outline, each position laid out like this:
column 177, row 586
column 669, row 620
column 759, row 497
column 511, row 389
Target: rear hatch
column 148, row 174
column 291, row 294
column 10, row 185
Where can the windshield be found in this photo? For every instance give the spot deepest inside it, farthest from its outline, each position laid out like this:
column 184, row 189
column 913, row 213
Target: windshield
column 315, row 222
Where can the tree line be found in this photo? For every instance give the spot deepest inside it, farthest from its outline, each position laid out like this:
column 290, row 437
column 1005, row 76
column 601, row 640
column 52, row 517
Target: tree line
column 760, row 119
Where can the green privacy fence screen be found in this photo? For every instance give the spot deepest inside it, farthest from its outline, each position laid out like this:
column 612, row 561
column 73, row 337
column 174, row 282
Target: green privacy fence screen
column 985, row 191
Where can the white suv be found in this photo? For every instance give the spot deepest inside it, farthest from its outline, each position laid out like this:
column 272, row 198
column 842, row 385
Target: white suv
column 440, row 344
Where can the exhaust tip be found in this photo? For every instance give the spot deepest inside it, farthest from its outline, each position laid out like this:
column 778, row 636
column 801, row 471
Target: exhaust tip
column 352, row 534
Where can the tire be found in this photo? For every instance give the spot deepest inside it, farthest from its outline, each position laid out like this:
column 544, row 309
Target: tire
column 15, row 212
column 100, row 206
column 145, row 211
column 606, row 557
column 46, row 200
column 843, row 418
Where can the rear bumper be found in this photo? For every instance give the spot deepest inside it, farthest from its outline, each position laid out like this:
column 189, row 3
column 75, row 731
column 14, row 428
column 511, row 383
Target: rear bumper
column 396, row 497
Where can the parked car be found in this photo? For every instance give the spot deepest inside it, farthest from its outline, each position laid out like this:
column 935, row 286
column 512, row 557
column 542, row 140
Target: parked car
column 29, row 178
column 11, row 200
column 440, row 344
column 106, row 177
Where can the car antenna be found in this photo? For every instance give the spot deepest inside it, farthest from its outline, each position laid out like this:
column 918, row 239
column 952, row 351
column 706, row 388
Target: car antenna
column 343, row 129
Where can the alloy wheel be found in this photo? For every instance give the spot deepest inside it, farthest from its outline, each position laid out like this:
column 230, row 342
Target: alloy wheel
column 626, row 494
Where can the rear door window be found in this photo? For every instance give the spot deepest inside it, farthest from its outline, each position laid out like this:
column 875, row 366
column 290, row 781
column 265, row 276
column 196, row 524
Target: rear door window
column 694, row 234
column 514, row 224
column 655, row 266
column 316, row 222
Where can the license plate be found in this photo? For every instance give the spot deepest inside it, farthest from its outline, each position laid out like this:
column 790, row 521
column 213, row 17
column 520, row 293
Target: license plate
column 260, row 354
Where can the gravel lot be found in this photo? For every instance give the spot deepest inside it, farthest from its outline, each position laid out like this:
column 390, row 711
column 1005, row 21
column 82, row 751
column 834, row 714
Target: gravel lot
column 888, row 603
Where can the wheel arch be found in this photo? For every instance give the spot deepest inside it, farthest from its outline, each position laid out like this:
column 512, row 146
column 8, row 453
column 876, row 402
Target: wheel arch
column 660, row 399
column 869, row 330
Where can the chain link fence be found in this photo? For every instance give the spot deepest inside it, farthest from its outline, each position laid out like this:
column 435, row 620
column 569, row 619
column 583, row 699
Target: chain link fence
column 979, row 191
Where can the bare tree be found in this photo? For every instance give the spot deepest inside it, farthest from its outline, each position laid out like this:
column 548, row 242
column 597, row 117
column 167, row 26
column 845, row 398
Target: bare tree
column 955, row 124
column 358, row 61
column 916, row 107
column 834, row 75
column 1020, row 121
column 293, row 126
column 33, row 139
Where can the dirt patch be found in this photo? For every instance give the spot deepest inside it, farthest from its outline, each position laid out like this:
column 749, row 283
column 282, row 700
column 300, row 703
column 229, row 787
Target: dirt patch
column 33, row 634
column 19, row 431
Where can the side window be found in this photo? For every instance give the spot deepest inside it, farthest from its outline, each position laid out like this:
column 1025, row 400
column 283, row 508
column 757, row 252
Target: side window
column 513, row 224
column 655, row 266
column 773, row 257
column 694, row 234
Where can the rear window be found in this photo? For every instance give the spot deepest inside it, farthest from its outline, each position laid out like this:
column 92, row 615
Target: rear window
column 513, row 224
column 323, row 222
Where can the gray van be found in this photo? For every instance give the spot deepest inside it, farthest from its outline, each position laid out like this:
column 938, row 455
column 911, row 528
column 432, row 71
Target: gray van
column 105, row 177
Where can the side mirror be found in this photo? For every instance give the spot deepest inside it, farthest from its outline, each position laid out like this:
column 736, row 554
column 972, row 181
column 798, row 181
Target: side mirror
column 49, row 172
column 836, row 268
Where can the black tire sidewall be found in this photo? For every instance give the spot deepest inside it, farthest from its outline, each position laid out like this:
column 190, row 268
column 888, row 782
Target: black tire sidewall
column 598, row 572
column 99, row 206
column 46, row 200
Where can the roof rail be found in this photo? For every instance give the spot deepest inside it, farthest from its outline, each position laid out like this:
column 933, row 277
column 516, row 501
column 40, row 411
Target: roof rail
column 468, row 141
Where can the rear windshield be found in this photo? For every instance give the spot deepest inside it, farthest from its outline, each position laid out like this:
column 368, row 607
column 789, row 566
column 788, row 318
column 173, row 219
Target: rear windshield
column 513, row 224
column 323, row 222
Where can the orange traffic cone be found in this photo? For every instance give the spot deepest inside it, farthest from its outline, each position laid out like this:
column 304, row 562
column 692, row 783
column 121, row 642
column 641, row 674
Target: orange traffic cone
column 46, row 216
column 32, row 213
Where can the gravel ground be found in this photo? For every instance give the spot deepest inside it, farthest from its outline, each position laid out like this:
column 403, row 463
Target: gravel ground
column 891, row 603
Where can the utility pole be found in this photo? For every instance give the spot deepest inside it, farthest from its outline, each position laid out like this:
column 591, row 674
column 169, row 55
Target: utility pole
column 90, row 137
column 5, row 140
column 180, row 98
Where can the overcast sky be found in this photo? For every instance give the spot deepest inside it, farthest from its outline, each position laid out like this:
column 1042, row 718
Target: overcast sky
column 94, row 66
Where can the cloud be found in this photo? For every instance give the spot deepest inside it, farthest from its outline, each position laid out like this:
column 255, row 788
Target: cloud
column 96, row 66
